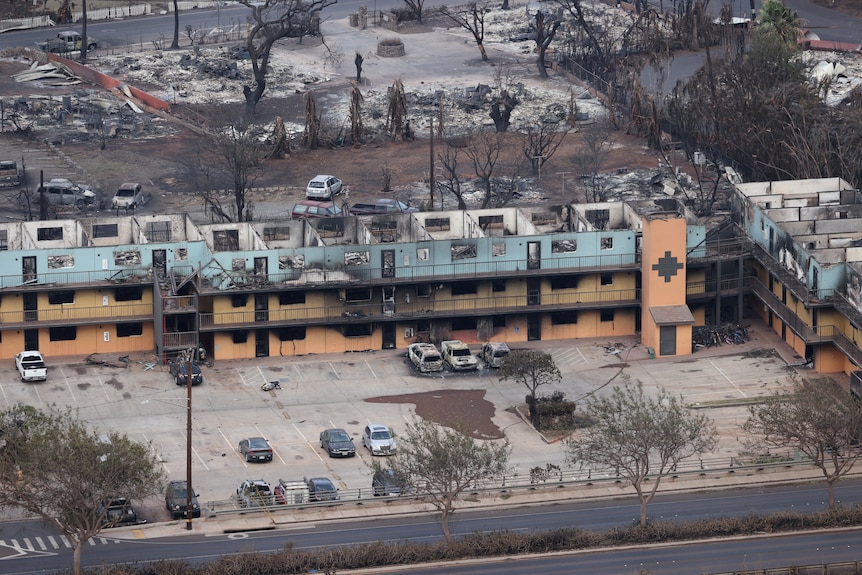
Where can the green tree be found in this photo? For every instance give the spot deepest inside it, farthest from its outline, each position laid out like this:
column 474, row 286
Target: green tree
column 439, row 464
column 54, row 467
column 533, row 369
column 818, row 418
column 778, row 17
column 641, row 437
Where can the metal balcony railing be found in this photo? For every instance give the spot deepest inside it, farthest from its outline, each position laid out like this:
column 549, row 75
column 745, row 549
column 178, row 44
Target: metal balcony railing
column 69, row 314
column 70, row 279
column 179, row 340
column 345, row 275
column 353, row 312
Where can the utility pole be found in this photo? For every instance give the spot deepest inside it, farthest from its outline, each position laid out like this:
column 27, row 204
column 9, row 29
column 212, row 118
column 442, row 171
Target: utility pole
column 431, row 170
column 189, row 362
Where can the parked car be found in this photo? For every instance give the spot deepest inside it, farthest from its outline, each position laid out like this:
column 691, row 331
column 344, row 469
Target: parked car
column 120, row 512
column 323, row 188
column 494, row 353
column 337, row 443
column 386, row 482
column 458, row 355
column 62, row 192
column 176, row 500
column 425, row 357
column 291, row 492
column 180, row 372
column 31, row 366
column 130, row 196
column 254, row 493
column 378, row 439
column 255, row 449
column 315, row 209
column 382, row 206
column 321, row 489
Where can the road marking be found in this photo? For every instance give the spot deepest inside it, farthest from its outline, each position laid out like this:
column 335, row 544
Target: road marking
column 368, row 365
column 335, row 371
column 41, row 543
column 730, row 381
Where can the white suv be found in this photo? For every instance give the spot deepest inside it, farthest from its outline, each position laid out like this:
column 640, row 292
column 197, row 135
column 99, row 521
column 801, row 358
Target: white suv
column 425, row 357
column 323, row 188
column 130, row 196
column 458, row 355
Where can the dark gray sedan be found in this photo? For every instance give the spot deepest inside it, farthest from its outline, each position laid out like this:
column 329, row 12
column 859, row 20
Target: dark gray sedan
column 337, row 443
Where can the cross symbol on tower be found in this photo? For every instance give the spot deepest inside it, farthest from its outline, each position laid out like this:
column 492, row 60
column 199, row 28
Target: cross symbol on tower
column 667, row 267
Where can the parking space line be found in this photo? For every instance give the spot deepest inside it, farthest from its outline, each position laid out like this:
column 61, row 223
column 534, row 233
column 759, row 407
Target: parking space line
column 730, row 381
column 66, row 380
column 104, row 387
column 298, row 372
column 230, row 446
column 195, row 451
column 368, row 365
column 5, row 398
column 259, row 432
column 335, row 371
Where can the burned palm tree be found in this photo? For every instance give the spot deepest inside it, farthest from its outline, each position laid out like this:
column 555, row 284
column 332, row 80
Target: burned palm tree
column 311, row 137
column 397, row 112
column 356, row 128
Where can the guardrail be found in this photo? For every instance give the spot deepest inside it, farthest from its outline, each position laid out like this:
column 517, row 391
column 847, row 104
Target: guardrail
column 550, row 476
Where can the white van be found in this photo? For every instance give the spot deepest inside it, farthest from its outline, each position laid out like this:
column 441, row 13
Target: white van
column 323, row 188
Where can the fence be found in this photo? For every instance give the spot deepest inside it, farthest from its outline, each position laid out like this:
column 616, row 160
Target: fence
column 549, row 477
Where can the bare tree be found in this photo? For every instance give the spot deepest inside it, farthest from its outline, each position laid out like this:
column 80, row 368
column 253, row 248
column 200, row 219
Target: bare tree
column 450, row 179
column 83, row 31
column 818, row 418
column 440, row 464
column 483, row 149
column 356, row 127
column 272, row 20
column 643, row 438
column 540, row 140
column 225, row 169
column 397, row 112
column 311, row 134
column 598, row 142
column 416, row 6
column 85, row 473
column 546, row 29
column 533, row 369
column 471, row 18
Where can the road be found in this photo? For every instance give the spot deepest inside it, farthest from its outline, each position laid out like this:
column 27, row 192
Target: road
column 47, row 551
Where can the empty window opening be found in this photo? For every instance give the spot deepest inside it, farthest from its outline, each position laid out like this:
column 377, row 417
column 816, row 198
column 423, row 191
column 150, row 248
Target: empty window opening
column 462, row 323
column 128, row 294
column 49, row 234
column 607, row 315
column 564, row 282
column 357, row 294
column 291, row 298
column 357, row 330
column 105, row 231
column 564, row 317
column 239, row 299
column 607, row 279
column 63, row 333
column 498, row 285
column 464, row 288
column 291, row 333
column 130, row 329
column 61, row 297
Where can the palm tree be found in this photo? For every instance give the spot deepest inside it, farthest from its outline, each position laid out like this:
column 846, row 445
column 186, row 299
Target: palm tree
column 784, row 21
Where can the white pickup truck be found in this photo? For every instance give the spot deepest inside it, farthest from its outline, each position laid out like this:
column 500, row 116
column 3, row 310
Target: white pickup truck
column 458, row 355
column 31, row 366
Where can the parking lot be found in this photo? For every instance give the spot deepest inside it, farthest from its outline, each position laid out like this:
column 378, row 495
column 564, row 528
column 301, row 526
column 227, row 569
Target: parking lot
column 319, row 392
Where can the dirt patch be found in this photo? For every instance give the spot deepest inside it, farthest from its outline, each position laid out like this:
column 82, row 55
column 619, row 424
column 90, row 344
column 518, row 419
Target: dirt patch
column 467, row 410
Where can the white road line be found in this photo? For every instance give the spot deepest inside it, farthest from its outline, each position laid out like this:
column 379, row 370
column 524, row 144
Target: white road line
column 368, row 365
column 14, row 544
column 65, row 541
column 53, row 542
column 298, row 372
column 730, row 381
column 72, row 393
column 259, row 432
column 104, row 388
column 41, row 543
column 28, row 544
column 305, row 439
column 3, row 390
column 335, row 371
